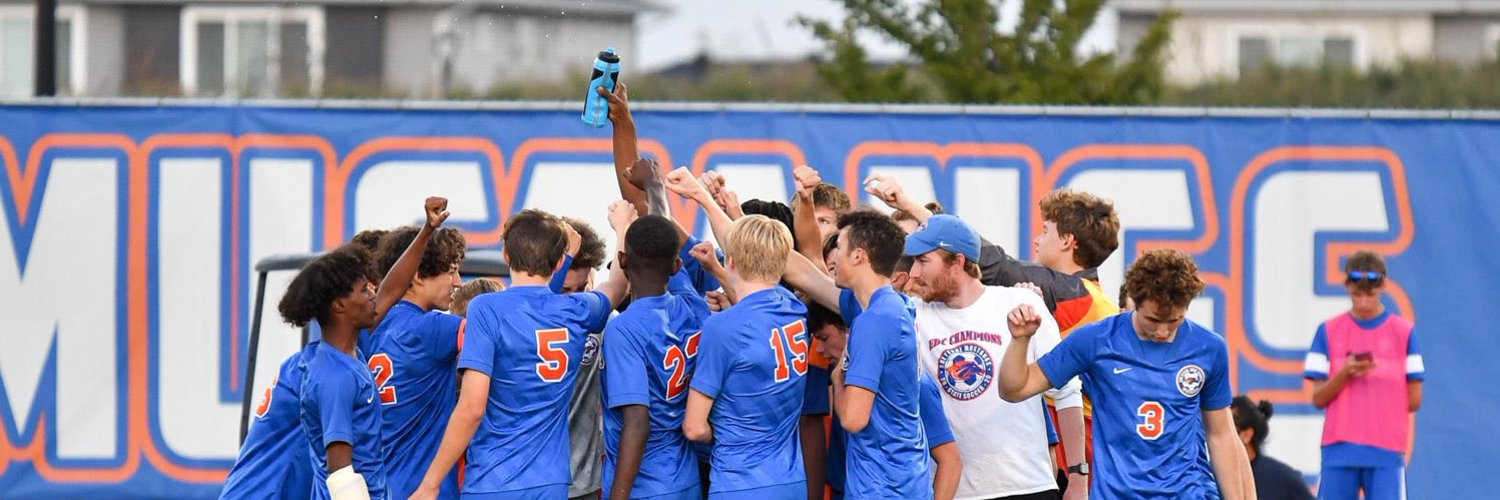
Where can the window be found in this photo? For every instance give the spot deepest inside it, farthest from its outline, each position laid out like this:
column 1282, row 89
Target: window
column 252, row 51
column 1492, row 41
column 1296, row 50
column 16, row 64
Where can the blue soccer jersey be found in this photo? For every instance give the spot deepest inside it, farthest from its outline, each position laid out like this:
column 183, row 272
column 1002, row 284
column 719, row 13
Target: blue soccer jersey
column 529, row 341
column 413, row 359
column 934, row 426
column 751, row 361
column 1148, row 403
column 274, row 461
column 889, row 457
column 339, row 405
column 650, row 351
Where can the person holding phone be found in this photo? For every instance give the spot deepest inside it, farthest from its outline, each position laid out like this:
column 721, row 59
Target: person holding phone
column 1366, row 371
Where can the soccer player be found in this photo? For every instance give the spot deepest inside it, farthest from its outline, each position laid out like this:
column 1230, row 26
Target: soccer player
column 275, row 456
column 1273, row 479
column 340, row 415
column 1160, row 384
column 274, row 460
column 585, row 458
column 828, row 328
column 747, row 392
column 960, row 334
column 519, row 358
column 1366, row 371
column 649, row 355
column 413, row 355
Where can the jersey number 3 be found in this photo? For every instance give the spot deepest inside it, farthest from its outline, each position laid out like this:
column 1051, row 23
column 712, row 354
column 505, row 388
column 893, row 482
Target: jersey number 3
column 794, row 336
column 549, row 347
column 1152, row 424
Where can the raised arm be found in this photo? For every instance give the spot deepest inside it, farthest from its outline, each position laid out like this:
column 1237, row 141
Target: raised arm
column 810, row 279
column 704, row 253
column 621, row 214
column 805, row 221
column 681, row 181
column 395, row 283
column 1020, row 380
column 888, row 190
column 624, row 142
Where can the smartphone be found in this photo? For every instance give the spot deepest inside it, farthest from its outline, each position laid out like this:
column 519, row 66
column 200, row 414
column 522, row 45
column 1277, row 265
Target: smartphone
column 1363, row 356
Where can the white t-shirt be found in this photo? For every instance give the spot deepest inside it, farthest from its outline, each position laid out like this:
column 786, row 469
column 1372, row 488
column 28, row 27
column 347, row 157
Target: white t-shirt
column 1004, row 445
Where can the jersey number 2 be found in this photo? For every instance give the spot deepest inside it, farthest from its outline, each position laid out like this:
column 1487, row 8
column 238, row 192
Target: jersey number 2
column 382, row 369
column 794, row 336
column 676, row 360
column 549, row 347
column 1152, row 420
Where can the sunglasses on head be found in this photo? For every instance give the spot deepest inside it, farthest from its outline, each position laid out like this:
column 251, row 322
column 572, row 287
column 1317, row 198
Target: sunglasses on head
column 1365, row 277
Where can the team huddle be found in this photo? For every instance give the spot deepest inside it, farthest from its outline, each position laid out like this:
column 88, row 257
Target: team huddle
column 818, row 350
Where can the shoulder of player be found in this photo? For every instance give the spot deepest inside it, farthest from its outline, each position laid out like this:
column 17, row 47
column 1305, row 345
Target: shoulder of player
column 1204, row 335
column 1008, row 297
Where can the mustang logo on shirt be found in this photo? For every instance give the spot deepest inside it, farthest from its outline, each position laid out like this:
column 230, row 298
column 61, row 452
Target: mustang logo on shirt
column 966, row 371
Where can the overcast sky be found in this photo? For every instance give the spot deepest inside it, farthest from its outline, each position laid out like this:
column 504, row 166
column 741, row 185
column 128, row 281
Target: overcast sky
column 765, row 29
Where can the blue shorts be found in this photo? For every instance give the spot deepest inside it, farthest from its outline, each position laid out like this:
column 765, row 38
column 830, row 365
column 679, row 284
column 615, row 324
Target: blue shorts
column 694, row 493
column 548, row 492
column 1378, row 483
column 789, row 490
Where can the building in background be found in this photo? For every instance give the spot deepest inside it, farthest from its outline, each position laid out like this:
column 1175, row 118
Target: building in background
column 218, row 48
column 1224, row 38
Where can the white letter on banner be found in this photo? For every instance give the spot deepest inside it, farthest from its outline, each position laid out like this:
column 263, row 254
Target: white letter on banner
column 66, row 294
column 390, row 193
column 281, row 201
column 989, row 199
column 1290, row 209
column 1145, row 199
column 750, row 181
column 581, row 190
column 190, row 294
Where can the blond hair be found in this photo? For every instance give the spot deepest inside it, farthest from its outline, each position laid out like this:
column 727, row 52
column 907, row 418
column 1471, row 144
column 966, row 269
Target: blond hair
column 474, row 288
column 758, row 246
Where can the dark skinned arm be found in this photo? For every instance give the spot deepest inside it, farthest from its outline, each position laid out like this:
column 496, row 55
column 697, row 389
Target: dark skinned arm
column 814, row 453
column 633, row 437
column 624, row 144
column 398, row 280
column 340, row 455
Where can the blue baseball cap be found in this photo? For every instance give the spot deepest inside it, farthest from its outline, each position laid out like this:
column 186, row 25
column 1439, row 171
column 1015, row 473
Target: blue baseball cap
column 947, row 232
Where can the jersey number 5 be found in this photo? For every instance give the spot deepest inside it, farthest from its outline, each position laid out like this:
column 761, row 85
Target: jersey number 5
column 1152, row 424
column 382, row 369
column 795, row 336
column 549, row 347
column 676, row 360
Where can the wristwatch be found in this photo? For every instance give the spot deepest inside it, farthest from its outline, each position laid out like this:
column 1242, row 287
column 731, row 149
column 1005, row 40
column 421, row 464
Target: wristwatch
column 1081, row 469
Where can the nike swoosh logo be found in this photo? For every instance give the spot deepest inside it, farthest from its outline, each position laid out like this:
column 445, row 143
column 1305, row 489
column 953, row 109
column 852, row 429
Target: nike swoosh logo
column 944, row 245
column 371, row 400
column 1121, row 370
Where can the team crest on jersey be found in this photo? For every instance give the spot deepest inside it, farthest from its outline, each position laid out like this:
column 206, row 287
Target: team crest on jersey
column 1190, row 380
column 965, row 371
column 590, row 349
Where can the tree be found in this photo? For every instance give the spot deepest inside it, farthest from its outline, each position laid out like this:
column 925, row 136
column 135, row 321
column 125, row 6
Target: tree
column 962, row 56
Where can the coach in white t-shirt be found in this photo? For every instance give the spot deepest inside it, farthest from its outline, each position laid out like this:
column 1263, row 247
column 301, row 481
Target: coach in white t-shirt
column 962, row 333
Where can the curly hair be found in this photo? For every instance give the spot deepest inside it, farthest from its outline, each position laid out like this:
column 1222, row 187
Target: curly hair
column 1166, row 276
column 878, row 235
column 590, row 247
column 534, row 242
column 322, row 281
column 1090, row 219
column 369, row 238
column 445, row 249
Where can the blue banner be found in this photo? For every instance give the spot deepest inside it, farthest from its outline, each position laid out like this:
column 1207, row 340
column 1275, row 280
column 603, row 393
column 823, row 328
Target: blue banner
column 131, row 232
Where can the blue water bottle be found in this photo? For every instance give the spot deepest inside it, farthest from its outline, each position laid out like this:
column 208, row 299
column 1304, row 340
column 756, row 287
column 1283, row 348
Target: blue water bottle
column 606, row 73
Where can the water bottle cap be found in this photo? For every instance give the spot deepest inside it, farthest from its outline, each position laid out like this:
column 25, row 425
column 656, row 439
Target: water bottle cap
column 608, row 55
